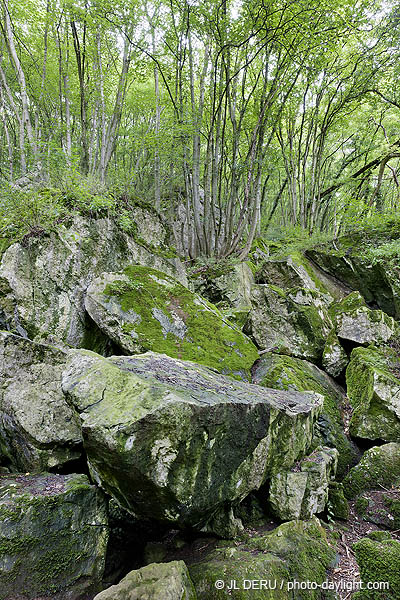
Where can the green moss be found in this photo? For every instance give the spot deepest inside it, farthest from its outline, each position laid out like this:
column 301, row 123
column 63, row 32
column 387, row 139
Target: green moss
column 204, row 336
column 288, row 373
column 379, row 466
column 337, row 502
column 379, row 562
column 361, row 505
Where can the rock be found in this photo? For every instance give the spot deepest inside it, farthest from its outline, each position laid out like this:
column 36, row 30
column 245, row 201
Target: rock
column 355, row 322
column 294, row 551
column 337, row 503
column 379, row 466
column 229, row 291
column 379, row 561
column 166, row 581
column 376, row 278
column 294, row 322
column 303, row 491
column 373, row 389
column 334, row 357
column 55, row 271
column 38, row 430
column 53, row 537
column 143, row 309
column 381, row 508
column 296, row 271
column 175, row 441
column 287, row 373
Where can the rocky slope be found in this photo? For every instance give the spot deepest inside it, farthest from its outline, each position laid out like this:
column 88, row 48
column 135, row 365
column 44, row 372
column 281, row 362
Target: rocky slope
column 166, row 439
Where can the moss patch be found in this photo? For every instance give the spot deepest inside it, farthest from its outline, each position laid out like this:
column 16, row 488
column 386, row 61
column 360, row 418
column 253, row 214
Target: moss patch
column 160, row 314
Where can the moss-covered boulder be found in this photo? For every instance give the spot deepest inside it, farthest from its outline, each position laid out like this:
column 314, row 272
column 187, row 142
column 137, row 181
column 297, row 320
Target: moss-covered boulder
column 43, row 282
column 355, row 322
column 334, row 356
column 287, row 373
column 294, row 322
column 142, row 309
column 166, row 581
column 379, row 466
column 380, row 507
column 175, row 441
column 53, row 537
column 379, row 561
column 373, row 388
column 265, row 567
column 303, row 491
column 38, row 429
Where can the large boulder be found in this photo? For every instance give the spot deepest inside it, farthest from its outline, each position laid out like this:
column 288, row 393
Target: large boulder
column 379, row 467
column 373, row 387
column 355, row 322
column 303, row 491
column 43, row 282
column 267, row 566
column 143, row 309
column 53, row 537
column 38, row 429
column 294, row 322
column 166, row 581
column 175, row 441
column 288, row 373
column 366, row 261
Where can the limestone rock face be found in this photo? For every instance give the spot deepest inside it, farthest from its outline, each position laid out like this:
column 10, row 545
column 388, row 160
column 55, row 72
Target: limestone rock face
column 38, row 430
column 374, row 392
column 294, row 322
column 303, row 491
column 175, row 441
column 169, row 581
column 379, row 466
column 287, row 373
column 354, row 321
column 143, row 309
column 53, row 537
column 44, row 284
column 297, row 550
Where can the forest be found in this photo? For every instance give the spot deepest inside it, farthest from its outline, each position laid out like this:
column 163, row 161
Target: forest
column 231, row 118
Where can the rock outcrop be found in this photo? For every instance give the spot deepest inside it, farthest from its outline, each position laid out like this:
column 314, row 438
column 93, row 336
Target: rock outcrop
column 53, row 537
column 175, row 441
column 143, row 309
